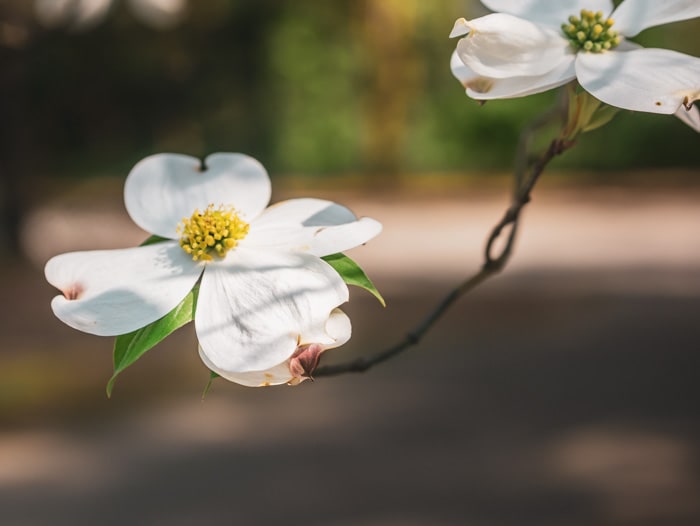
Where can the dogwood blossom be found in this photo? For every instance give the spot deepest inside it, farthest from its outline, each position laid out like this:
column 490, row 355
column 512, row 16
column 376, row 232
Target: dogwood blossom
column 530, row 46
column 267, row 303
column 86, row 14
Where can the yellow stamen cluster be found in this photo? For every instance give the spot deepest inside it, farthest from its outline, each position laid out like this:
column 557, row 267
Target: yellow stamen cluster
column 211, row 233
column 591, row 32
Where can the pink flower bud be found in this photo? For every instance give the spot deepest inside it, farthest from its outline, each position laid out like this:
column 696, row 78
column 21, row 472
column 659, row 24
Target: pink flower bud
column 304, row 361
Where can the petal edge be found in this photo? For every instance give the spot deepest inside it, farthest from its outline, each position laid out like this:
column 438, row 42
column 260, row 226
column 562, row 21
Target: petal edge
column 254, row 309
column 338, row 327
column 164, row 188
column 646, row 79
column 503, row 46
column 112, row 292
column 310, row 225
column 634, row 16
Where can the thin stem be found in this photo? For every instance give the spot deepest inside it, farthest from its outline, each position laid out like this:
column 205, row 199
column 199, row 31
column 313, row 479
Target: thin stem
column 527, row 135
column 492, row 263
column 521, row 198
column 412, row 338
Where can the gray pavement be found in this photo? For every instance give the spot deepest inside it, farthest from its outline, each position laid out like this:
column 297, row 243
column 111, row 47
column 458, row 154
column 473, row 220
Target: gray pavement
column 564, row 392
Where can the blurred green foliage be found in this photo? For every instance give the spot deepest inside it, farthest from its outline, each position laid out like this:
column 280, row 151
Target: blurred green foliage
column 307, row 86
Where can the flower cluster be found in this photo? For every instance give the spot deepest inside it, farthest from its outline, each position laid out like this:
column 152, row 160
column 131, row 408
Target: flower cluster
column 591, row 32
column 211, row 233
column 267, row 304
column 527, row 47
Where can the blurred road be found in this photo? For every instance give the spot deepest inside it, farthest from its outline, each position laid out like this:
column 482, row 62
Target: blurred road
column 564, row 392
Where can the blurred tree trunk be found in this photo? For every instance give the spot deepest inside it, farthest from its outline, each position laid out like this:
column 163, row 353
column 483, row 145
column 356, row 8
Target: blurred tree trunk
column 15, row 36
column 394, row 73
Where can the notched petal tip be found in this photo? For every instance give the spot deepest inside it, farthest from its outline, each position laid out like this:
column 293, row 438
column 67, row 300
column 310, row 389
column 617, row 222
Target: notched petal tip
column 73, row 292
column 460, row 28
column 688, row 102
column 479, row 84
column 689, row 115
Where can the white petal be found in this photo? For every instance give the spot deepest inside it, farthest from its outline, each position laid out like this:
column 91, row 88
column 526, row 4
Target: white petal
column 460, row 28
column 163, row 189
column 276, row 375
column 254, row 308
column 552, row 13
column 310, row 225
column 461, row 72
column 503, row 46
column 633, row 16
column 651, row 80
column 110, row 292
column 482, row 88
column 338, row 328
column 691, row 117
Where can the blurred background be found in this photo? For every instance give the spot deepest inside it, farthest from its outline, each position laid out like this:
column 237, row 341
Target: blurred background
column 563, row 392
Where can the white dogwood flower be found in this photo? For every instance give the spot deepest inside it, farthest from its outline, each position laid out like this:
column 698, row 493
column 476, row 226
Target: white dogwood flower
column 265, row 295
column 530, row 46
column 86, row 14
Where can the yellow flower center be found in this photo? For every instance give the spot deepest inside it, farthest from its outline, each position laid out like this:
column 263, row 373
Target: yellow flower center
column 591, row 32
column 211, row 233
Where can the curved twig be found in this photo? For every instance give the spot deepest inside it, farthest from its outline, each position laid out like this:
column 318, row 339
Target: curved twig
column 492, row 263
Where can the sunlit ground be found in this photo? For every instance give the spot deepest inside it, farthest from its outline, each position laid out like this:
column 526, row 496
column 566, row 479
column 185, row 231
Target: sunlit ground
column 563, row 392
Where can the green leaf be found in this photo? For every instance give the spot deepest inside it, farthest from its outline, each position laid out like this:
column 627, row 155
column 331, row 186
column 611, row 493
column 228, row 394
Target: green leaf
column 153, row 240
column 130, row 347
column 212, row 376
column 601, row 117
column 352, row 274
